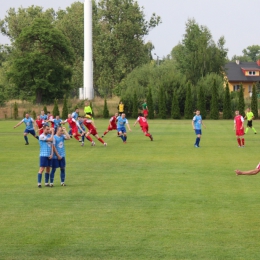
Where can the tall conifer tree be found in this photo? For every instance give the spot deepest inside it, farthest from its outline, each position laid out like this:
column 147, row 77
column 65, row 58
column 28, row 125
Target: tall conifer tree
column 150, row 104
column 241, row 101
column 254, row 103
column 175, row 112
column 214, row 113
column 227, row 111
column 202, row 103
column 188, row 109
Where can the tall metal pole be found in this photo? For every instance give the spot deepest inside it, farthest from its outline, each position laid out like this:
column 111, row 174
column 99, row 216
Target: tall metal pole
column 87, row 91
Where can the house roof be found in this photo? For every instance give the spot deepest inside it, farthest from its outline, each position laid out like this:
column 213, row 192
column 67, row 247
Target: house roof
column 234, row 71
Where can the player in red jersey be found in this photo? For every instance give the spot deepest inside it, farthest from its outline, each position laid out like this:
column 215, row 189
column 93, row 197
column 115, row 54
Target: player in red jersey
column 144, row 125
column 88, row 122
column 112, row 124
column 74, row 126
column 39, row 124
column 239, row 128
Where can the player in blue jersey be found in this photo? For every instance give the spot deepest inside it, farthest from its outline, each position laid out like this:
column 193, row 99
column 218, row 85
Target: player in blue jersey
column 43, row 116
column 29, row 128
column 196, row 125
column 46, row 153
column 81, row 124
column 121, row 122
column 58, row 160
column 75, row 114
column 57, row 122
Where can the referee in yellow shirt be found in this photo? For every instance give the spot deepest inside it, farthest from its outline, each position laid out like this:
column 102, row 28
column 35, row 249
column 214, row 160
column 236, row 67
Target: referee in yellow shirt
column 249, row 116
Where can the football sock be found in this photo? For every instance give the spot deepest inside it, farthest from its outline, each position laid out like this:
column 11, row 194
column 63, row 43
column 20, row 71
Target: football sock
column 37, row 137
column 148, row 135
column 52, row 175
column 105, row 132
column 89, row 138
column 198, row 141
column 239, row 141
column 246, row 129
column 76, row 137
column 122, row 137
column 47, row 176
column 243, row 141
column 254, row 129
column 26, row 138
column 62, row 175
column 39, row 177
column 82, row 138
column 100, row 140
column 125, row 137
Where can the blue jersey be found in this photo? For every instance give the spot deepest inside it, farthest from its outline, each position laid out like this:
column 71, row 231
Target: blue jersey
column 121, row 121
column 59, row 145
column 45, row 146
column 43, row 117
column 197, row 122
column 28, row 123
column 75, row 115
column 57, row 122
column 81, row 124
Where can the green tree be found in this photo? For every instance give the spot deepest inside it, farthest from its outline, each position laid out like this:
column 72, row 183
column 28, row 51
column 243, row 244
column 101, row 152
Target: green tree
column 135, row 106
column 55, row 111
column 227, row 111
column 162, row 103
column 241, row 101
column 149, row 100
column 202, row 103
column 188, row 110
column 15, row 110
column 175, row 111
column 41, row 61
column 33, row 114
column 252, row 52
column 105, row 110
column 214, row 112
column 65, row 110
column 254, row 103
column 45, row 110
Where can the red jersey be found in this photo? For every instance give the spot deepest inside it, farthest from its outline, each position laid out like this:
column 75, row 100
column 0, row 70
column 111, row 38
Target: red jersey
column 113, row 121
column 50, row 117
column 238, row 120
column 90, row 127
column 72, row 122
column 39, row 123
column 142, row 121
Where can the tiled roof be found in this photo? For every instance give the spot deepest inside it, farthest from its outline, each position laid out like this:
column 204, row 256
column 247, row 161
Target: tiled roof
column 234, row 71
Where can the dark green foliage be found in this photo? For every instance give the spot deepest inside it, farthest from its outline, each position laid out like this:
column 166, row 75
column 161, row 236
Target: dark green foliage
column 254, row 103
column 15, row 110
column 214, row 112
column 24, row 112
column 135, row 106
column 90, row 104
column 149, row 101
column 175, row 111
column 2, row 96
column 162, row 103
column 65, row 111
column 105, row 110
column 188, row 109
column 241, row 101
column 128, row 105
column 33, row 114
column 227, row 111
column 55, row 111
column 202, row 103
column 45, row 110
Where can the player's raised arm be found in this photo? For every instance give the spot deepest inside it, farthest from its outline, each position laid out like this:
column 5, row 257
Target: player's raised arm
column 66, row 133
column 18, row 124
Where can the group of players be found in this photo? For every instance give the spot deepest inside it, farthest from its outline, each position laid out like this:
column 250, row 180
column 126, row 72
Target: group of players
column 51, row 138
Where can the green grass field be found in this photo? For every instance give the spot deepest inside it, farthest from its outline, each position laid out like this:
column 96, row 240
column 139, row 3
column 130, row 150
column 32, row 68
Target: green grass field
column 141, row 200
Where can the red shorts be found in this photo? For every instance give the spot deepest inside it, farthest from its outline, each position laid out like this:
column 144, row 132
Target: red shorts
column 74, row 130
column 114, row 127
column 41, row 132
column 145, row 112
column 145, row 128
column 93, row 131
column 240, row 132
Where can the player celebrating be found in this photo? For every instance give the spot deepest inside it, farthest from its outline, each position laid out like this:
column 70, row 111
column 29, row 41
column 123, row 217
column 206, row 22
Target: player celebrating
column 29, row 128
column 58, row 160
column 92, row 130
column 112, row 124
column 196, row 125
column 249, row 116
column 46, row 153
column 121, row 122
column 239, row 128
column 74, row 126
column 144, row 125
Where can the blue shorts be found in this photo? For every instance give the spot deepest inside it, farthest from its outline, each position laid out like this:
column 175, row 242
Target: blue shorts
column 45, row 161
column 121, row 129
column 27, row 131
column 58, row 163
column 198, row 131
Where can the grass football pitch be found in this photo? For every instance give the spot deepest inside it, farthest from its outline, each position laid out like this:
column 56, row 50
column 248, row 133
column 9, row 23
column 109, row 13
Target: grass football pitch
column 141, row 200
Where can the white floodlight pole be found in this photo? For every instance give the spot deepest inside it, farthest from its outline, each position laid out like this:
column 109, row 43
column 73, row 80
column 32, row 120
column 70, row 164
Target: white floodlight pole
column 87, row 91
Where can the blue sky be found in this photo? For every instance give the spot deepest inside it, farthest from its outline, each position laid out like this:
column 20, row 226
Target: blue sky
column 236, row 20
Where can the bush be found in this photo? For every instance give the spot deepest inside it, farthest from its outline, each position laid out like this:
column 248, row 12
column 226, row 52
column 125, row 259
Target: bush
column 105, row 111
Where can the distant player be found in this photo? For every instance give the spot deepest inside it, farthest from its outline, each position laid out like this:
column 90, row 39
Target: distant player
column 43, row 116
column 46, row 153
column 50, row 119
column 121, row 122
column 250, row 172
column 112, row 124
column 88, row 122
column 81, row 123
column 239, row 128
column 56, row 123
column 87, row 108
column 249, row 116
column 58, row 160
column 75, row 114
column 144, row 125
column 39, row 124
column 196, row 125
column 74, row 126
column 145, row 109
column 29, row 128
column 121, row 108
